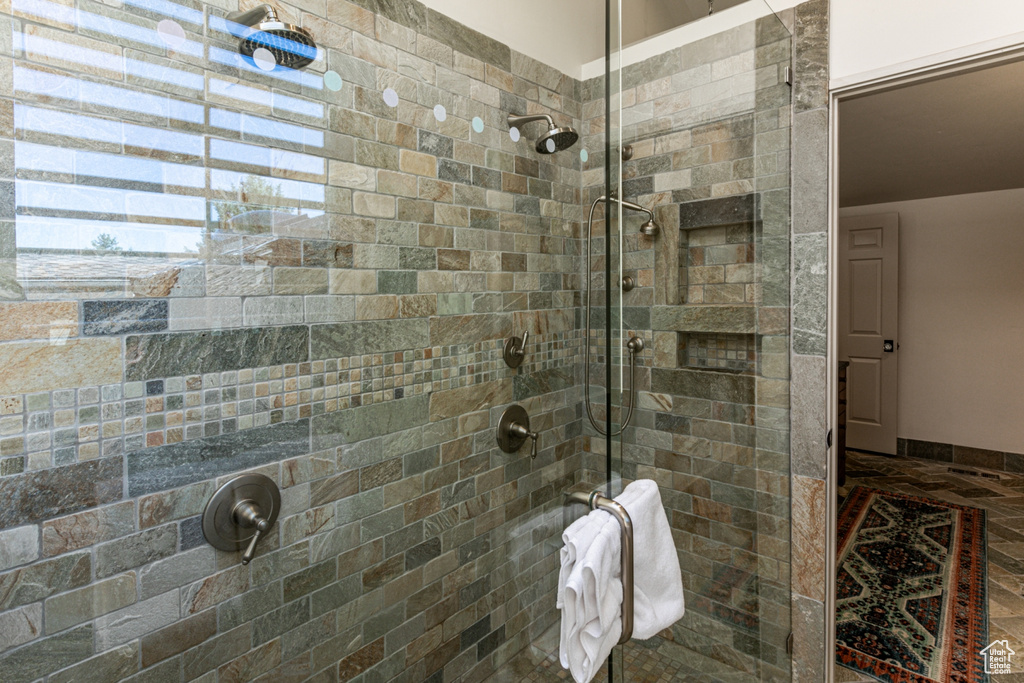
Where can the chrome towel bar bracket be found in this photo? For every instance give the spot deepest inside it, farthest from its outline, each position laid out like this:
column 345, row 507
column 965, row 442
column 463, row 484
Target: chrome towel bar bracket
column 595, row 500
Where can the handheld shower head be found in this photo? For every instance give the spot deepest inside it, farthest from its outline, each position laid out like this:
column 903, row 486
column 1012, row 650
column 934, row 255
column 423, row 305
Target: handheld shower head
column 650, row 228
column 555, row 140
column 292, row 46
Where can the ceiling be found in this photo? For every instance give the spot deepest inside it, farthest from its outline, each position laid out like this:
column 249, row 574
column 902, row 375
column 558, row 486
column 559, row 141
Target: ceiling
column 954, row 135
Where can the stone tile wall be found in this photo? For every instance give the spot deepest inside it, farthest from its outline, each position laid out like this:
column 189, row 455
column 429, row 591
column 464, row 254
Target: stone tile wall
column 710, row 128
column 809, row 283
column 208, row 269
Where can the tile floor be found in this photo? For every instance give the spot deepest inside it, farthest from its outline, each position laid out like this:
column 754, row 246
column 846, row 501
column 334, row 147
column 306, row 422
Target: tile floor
column 650, row 661
column 1001, row 494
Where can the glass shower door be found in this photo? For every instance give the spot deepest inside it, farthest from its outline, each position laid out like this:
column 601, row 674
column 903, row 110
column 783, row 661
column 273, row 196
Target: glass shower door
column 705, row 110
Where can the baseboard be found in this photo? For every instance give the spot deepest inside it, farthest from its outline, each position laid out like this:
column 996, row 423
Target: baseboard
column 960, row 455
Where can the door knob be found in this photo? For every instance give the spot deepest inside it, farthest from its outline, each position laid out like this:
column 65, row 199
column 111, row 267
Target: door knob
column 241, row 513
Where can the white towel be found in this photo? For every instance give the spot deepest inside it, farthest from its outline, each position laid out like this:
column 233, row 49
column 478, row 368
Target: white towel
column 590, row 582
column 576, row 540
column 657, row 581
column 592, row 605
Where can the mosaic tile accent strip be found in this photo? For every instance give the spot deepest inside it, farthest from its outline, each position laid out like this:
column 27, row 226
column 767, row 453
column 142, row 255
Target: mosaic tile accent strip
column 49, row 429
column 735, row 352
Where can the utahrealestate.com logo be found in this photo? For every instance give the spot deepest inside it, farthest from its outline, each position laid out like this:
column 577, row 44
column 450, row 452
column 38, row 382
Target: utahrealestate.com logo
column 997, row 657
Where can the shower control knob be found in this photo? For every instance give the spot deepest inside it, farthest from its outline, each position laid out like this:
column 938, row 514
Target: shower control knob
column 515, row 350
column 514, row 430
column 522, row 432
column 248, row 515
column 241, row 513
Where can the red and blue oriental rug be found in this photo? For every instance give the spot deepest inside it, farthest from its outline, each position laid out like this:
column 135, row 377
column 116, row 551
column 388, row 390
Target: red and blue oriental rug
column 911, row 593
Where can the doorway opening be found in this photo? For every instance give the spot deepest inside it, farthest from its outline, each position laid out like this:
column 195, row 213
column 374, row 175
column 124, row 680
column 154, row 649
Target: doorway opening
column 927, row 324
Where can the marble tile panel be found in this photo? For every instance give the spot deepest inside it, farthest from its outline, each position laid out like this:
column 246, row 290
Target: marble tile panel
column 721, row 319
column 124, row 317
column 174, row 465
column 469, row 329
column 38, row 581
column 213, row 313
column 333, row 341
column 18, row 546
column 57, row 652
column 810, row 293
column 84, row 529
column 85, row 604
column 135, row 620
column 711, row 385
column 358, row 424
column 169, row 354
column 809, row 417
column 37, row 496
column 810, row 535
column 112, row 665
column 20, row 626
column 810, row 51
column 455, row 402
column 466, row 40
column 42, row 366
column 38, row 320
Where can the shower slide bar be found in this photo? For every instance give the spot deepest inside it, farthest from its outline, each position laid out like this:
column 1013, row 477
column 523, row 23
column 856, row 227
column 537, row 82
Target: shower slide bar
column 596, row 501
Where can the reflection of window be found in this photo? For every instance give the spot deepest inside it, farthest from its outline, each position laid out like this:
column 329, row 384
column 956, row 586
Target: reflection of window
column 248, row 211
column 133, row 168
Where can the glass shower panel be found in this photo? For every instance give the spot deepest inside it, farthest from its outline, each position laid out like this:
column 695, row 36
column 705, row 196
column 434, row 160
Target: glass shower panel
column 706, row 110
column 212, row 263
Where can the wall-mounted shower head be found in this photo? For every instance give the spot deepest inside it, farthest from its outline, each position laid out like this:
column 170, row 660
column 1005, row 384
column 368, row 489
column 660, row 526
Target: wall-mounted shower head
column 555, row 140
column 291, row 46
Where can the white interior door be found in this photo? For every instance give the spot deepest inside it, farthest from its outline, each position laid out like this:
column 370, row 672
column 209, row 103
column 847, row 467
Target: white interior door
column 868, row 316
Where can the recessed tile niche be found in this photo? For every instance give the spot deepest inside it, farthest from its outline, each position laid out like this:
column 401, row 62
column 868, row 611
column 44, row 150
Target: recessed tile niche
column 718, row 287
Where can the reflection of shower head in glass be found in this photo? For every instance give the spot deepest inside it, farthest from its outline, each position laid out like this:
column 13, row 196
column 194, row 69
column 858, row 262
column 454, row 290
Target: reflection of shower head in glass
column 555, row 140
column 291, row 46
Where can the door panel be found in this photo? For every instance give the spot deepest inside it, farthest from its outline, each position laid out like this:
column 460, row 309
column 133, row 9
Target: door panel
column 868, row 318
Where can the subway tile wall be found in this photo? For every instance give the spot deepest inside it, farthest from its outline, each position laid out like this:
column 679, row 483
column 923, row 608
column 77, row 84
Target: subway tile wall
column 207, row 268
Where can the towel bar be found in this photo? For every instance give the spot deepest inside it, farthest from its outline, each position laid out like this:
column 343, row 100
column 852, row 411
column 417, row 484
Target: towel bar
column 596, row 501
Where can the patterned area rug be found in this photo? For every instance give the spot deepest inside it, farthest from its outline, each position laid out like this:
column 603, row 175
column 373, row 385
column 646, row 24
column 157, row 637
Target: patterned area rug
column 911, row 602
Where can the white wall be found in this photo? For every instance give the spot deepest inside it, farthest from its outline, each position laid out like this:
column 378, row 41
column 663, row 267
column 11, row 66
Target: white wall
column 559, row 33
column 876, row 38
column 569, row 34
column 961, row 311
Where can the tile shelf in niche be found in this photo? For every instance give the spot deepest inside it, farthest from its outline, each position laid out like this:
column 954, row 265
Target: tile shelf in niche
column 711, row 318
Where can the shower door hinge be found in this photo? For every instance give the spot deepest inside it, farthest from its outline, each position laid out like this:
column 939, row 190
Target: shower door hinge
column 789, row 75
column 789, row 643
column 828, row 439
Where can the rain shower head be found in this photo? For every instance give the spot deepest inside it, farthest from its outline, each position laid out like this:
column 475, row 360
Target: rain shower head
column 290, row 46
column 555, row 140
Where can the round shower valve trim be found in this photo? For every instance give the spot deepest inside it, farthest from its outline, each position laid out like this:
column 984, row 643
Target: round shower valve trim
column 240, row 513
